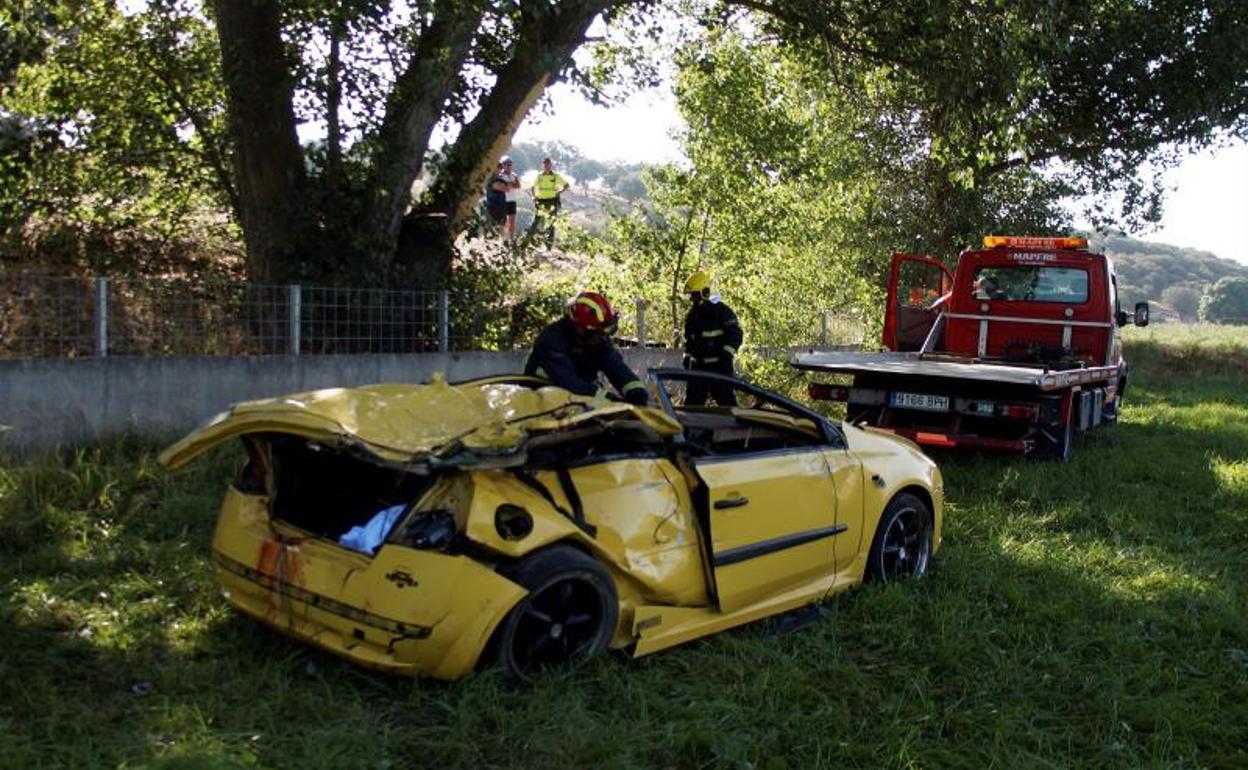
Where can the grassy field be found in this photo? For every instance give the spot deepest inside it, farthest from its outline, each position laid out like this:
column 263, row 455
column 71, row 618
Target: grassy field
column 1087, row 614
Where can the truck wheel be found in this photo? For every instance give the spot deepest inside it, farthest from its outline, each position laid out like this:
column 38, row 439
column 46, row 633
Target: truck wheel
column 568, row 616
column 1110, row 413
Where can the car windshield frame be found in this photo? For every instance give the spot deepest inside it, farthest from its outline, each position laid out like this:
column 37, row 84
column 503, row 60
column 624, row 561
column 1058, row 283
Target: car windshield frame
column 834, row 437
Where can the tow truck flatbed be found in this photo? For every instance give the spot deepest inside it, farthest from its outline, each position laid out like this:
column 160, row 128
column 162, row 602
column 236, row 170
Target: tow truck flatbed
column 1017, row 349
column 950, row 367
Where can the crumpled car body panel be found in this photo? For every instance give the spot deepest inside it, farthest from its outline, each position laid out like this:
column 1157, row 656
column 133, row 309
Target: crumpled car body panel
column 403, row 423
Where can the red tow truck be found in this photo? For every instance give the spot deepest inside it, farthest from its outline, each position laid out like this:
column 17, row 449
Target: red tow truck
column 1017, row 349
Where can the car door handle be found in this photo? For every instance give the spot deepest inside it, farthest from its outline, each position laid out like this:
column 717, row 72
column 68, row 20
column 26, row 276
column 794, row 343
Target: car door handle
column 732, row 502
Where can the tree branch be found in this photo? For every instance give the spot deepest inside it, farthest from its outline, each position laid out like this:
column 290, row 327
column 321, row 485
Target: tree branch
column 412, row 112
column 543, row 48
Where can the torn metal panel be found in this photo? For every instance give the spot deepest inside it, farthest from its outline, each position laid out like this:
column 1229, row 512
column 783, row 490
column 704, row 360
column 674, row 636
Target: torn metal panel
column 402, row 424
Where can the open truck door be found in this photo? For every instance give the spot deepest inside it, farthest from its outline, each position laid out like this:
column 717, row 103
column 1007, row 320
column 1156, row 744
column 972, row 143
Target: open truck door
column 916, row 286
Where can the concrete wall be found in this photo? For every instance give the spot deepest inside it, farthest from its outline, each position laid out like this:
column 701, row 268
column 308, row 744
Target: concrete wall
column 47, row 402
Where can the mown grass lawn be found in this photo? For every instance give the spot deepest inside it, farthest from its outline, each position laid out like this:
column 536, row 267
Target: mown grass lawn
column 1087, row 614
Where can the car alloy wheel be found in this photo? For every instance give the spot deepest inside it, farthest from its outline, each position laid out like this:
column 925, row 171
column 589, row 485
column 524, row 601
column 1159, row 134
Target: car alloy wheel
column 902, row 546
column 568, row 616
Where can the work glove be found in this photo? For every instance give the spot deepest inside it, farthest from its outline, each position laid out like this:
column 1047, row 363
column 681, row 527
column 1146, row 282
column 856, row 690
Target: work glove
column 637, row 397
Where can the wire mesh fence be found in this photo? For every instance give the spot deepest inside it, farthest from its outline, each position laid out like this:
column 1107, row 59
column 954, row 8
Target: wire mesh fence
column 186, row 318
column 45, row 316
column 51, row 316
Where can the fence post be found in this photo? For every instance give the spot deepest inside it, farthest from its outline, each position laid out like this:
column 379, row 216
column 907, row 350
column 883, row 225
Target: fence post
column 641, row 322
column 444, row 321
column 823, row 333
column 101, row 317
column 295, row 294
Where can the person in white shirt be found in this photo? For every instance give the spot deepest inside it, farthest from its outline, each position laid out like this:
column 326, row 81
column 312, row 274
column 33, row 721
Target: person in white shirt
column 512, row 182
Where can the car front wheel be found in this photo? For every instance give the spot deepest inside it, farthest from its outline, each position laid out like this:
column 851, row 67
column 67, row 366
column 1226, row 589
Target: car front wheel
column 902, row 546
column 568, row 616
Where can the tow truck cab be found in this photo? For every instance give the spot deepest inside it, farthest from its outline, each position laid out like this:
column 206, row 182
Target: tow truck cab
column 1045, row 301
column 1017, row 349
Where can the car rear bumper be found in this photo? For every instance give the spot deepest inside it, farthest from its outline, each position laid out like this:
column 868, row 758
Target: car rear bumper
column 405, row 611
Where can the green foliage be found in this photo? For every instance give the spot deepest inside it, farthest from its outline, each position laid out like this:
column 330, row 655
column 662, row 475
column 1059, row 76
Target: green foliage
column 799, row 191
column 813, row 157
column 1088, row 613
column 119, row 117
column 916, row 126
column 1226, row 301
column 1185, row 300
column 503, row 296
column 1105, row 88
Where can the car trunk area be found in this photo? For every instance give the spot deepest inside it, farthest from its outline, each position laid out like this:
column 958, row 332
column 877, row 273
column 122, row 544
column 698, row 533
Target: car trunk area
column 327, row 491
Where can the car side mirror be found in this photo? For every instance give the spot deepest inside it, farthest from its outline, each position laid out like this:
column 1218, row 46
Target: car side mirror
column 1141, row 314
column 1122, row 318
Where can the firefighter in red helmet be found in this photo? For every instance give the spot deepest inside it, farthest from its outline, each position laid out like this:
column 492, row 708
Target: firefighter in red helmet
column 574, row 350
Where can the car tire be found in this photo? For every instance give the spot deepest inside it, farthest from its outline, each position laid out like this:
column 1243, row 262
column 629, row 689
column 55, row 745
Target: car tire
column 568, row 616
column 902, row 546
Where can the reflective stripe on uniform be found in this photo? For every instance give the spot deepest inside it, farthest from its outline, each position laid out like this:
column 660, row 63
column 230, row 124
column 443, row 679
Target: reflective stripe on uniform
column 713, row 333
column 542, row 373
column 730, row 350
column 707, row 360
column 546, row 187
column 634, row 385
column 600, row 393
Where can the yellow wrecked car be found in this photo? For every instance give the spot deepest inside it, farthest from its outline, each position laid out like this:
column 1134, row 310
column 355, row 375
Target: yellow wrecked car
column 425, row 529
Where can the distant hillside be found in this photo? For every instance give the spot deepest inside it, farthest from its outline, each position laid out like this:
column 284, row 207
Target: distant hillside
column 1159, row 272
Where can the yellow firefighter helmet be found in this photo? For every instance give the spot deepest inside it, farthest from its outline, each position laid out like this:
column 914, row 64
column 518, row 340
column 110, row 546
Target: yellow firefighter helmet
column 698, row 282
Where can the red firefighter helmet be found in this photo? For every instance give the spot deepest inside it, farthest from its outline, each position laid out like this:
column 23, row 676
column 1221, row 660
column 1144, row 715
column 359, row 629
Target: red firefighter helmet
column 590, row 311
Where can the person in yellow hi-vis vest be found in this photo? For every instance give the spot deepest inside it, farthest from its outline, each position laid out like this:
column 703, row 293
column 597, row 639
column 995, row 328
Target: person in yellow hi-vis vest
column 546, row 191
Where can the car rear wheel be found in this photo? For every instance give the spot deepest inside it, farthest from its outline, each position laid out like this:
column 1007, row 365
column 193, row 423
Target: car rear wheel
column 568, row 616
column 902, row 546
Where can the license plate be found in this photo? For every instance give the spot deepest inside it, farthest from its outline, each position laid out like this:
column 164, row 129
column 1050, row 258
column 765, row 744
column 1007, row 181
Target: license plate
column 923, row 401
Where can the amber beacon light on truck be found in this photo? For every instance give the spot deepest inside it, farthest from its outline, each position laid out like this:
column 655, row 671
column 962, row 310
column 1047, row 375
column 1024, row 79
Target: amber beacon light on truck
column 1031, row 242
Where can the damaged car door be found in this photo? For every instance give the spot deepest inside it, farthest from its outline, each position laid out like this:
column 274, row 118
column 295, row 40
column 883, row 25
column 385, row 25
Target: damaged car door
column 771, row 517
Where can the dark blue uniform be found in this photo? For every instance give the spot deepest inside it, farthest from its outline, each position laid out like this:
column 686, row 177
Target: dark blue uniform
column 712, row 338
column 562, row 356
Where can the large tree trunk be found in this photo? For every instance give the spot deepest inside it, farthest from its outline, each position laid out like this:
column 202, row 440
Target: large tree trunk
column 268, row 162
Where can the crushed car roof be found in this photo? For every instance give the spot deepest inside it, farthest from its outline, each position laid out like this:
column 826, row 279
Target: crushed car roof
column 403, row 423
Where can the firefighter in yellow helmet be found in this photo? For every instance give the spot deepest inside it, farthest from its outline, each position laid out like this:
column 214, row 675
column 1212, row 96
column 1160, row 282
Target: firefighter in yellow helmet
column 712, row 338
